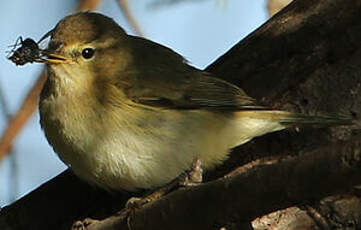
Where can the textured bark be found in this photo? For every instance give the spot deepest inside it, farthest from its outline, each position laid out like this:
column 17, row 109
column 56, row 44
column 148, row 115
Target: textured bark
column 337, row 212
column 306, row 59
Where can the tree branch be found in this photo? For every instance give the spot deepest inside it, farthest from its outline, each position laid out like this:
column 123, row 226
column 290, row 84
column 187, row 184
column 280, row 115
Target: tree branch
column 87, row 5
column 273, row 6
column 124, row 7
column 25, row 111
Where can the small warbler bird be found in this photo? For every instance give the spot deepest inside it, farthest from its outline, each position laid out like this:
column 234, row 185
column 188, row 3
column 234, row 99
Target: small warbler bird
column 126, row 113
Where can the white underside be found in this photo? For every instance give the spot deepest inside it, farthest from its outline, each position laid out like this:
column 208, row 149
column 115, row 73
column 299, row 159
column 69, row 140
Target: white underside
column 130, row 158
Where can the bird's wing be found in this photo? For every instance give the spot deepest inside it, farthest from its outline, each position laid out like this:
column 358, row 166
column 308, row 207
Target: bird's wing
column 166, row 80
column 201, row 93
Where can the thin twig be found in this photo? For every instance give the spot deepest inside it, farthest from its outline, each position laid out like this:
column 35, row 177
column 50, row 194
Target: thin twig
column 124, row 6
column 87, row 5
column 156, row 4
column 18, row 121
column 13, row 181
column 273, row 6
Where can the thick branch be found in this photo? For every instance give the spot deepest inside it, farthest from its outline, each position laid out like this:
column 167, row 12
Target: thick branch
column 336, row 212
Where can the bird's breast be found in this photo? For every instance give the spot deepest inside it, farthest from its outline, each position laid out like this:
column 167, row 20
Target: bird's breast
column 120, row 147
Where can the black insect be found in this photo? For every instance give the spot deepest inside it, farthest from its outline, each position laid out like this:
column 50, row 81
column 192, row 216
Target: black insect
column 28, row 51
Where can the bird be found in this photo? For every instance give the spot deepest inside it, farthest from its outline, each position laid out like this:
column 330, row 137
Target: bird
column 126, row 113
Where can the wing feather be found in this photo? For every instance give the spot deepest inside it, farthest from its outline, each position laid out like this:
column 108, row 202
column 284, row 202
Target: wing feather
column 166, row 80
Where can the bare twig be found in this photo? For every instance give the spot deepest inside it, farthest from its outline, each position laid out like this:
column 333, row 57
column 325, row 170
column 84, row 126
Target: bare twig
column 87, row 5
column 4, row 104
column 162, row 3
column 273, row 6
column 13, row 181
column 124, row 6
column 18, row 121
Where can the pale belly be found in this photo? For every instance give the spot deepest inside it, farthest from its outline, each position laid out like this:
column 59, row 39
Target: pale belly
column 123, row 153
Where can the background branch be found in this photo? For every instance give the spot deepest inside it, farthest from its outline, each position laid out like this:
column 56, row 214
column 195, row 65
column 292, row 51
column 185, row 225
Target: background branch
column 13, row 185
column 18, row 121
column 87, row 5
column 124, row 7
column 273, row 6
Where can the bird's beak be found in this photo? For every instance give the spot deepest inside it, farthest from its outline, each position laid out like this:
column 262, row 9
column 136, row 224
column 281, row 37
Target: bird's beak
column 49, row 56
column 52, row 58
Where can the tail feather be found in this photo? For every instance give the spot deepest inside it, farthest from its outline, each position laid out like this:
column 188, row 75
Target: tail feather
column 289, row 118
column 251, row 124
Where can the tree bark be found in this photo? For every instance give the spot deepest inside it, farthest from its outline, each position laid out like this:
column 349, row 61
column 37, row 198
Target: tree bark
column 306, row 59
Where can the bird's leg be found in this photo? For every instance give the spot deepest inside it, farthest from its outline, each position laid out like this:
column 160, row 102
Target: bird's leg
column 194, row 176
column 82, row 225
column 191, row 177
column 138, row 202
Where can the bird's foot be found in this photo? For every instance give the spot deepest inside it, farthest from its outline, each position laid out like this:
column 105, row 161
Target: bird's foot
column 135, row 203
column 138, row 202
column 192, row 177
column 83, row 224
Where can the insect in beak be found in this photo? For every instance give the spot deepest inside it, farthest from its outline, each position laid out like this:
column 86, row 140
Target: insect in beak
column 28, row 51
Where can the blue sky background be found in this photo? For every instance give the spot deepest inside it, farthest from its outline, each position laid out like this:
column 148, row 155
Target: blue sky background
column 201, row 31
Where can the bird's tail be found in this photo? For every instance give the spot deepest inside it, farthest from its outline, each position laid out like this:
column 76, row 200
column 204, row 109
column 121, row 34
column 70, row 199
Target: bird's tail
column 251, row 124
column 289, row 119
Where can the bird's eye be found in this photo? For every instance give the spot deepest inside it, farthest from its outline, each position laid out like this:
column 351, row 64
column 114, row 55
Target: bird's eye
column 87, row 53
